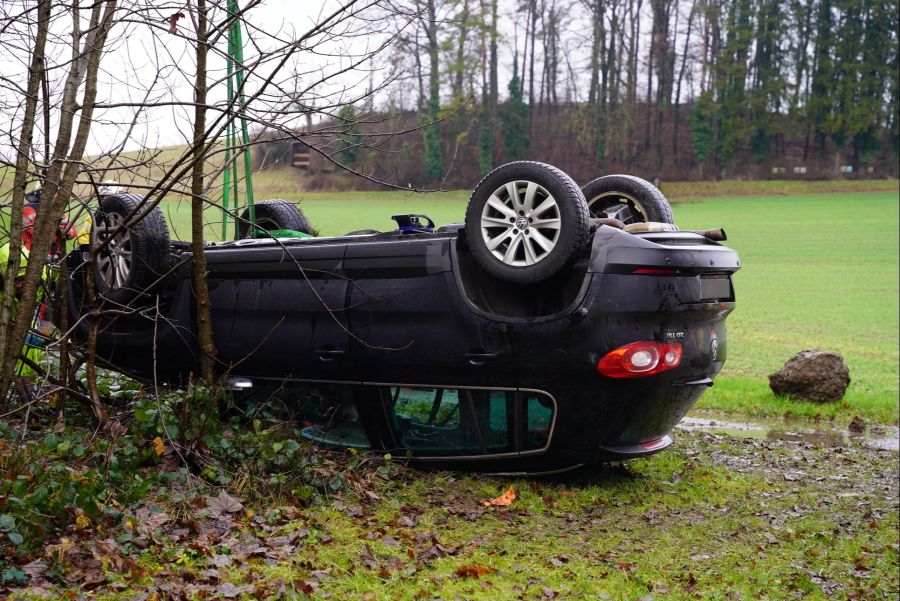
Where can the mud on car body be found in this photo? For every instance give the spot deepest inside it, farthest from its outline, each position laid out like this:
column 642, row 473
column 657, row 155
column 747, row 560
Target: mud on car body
column 557, row 326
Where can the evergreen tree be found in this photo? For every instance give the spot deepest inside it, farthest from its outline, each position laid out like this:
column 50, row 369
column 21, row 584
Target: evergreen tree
column 703, row 133
column 350, row 139
column 769, row 85
column 485, row 135
column 891, row 23
column 514, row 121
column 821, row 100
column 870, row 26
column 734, row 129
column 431, row 136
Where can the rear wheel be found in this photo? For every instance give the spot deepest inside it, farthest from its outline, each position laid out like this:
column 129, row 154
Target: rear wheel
column 526, row 222
column 129, row 259
column 627, row 198
column 273, row 215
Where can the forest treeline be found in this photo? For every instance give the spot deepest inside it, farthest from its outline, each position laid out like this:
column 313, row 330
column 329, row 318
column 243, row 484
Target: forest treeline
column 674, row 89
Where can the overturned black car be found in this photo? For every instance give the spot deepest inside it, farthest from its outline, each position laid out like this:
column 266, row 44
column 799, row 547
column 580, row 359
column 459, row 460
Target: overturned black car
column 555, row 327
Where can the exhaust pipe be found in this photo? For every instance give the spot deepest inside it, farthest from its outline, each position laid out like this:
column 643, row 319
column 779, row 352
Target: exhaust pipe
column 716, row 234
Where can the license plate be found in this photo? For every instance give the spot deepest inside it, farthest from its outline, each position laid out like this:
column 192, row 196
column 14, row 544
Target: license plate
column 715, row 288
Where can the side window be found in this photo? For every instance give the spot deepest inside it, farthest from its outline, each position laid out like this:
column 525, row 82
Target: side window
column 448, row 421
column 538, row 420
column 328, row 412
column 427, row 406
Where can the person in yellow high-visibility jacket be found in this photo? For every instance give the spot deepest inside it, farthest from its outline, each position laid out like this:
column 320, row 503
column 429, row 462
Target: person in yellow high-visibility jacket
column 33, row 353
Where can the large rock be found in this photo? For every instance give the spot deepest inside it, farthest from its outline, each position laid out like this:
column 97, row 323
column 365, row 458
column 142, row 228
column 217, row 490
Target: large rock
column 816, row 376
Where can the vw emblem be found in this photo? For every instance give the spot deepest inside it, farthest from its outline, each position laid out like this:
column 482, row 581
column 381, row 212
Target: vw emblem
column 522, row 223
column 714, row 348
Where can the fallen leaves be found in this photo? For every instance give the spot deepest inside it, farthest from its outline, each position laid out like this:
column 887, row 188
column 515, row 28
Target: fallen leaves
column 440, row 534
column 504, row 500
column 473, row 571
column 223, row 504
column 231, row 591
column 407, row 521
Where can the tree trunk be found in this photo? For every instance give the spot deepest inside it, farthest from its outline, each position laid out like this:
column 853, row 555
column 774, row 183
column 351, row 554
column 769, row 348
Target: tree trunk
column 648, row 112
column 493, row 68
column 461, row 53
column 664, row 68
column 633, row 78
column 64, row 364
column 420, row 106
column 596, row 49
column 533, row 5
column 198, row 260
column 35, row 78
column 524, row 69
column 684, row 57
column 64, row 167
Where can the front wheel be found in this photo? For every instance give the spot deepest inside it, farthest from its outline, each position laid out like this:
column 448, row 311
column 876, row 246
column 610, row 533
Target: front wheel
column 627, row 198
column 526, row 221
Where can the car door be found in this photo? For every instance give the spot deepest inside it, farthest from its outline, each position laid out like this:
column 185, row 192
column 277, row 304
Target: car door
column 409, row 323
column 278, row 312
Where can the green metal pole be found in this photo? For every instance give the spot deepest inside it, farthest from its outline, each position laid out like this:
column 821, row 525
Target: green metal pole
column 235, row 81
column 248, row 168
column 228, row 143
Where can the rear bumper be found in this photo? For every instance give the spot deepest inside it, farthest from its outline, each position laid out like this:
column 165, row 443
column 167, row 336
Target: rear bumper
column 622, row 453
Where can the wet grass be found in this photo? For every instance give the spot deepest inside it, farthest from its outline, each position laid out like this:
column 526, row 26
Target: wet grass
column 713, row 518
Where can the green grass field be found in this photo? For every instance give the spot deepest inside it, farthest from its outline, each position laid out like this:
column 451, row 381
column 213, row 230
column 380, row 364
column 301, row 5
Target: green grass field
column 819, row 271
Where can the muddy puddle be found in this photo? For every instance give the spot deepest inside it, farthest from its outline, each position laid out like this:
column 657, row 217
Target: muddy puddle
column 876, row 436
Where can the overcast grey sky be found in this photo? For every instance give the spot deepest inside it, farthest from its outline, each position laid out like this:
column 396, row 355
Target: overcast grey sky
column 139, row 57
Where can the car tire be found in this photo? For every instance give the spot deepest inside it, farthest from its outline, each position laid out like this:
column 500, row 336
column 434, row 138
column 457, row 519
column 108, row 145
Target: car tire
column 627, row 198
column 273, row 215
column 526, row 222
column 136, row 257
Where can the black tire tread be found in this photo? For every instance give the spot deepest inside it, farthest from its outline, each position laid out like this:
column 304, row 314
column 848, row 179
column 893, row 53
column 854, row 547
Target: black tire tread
column 150, row 243
column 650, row 197
column 283, row 212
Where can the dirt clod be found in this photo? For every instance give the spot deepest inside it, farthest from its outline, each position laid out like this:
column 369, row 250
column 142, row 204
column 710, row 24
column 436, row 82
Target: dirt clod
column 857, row 425
column 813, row 375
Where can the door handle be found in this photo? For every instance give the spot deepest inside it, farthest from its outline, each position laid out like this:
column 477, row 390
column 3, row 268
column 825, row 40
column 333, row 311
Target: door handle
column 327, row 355
column 478, row 359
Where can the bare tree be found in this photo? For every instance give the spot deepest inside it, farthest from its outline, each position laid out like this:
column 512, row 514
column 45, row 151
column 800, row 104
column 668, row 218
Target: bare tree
column 75, row 99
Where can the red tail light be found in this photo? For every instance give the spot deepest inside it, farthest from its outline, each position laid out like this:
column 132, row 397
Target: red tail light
column 656, row 271
column 638, row 359
column 654, row 443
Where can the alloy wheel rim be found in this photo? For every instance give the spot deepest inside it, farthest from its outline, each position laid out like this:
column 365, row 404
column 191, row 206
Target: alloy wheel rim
column 619, row 205
column 114, row 261
column 520, row 223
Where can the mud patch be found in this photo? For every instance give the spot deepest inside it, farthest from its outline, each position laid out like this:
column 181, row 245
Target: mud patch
column 876, row 436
